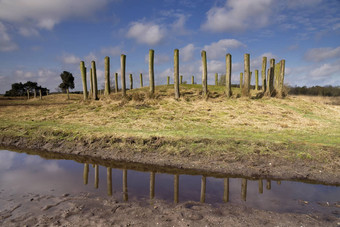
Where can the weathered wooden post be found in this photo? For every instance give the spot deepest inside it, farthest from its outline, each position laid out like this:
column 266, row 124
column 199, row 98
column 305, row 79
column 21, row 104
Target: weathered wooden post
column 152, row 185
column 96, row 176
column 244, row 189
column 226, row 190
column 141, row 80
column 260, row 186
column 109, row 180
column 28, row 94
column 277, row 76
column 94, row 76
column 246, row 86
column 269, row 185
column 125, row 186
column 176, row 73
column 86, row 173
column 181, row 79
column 281, row 78
column 35, row 93
column 270, row 78
column 256, row 79
column 263, row 73
column 241, row 80
column 228, row 75
column 116, row 82
column 122, row 72
column 192, row 80
column 151, row 72
column 176, row 188
column 40, row 94
column 216, row 79
column 83, row 77
column 204, row 73
column 107, row 75
column 203, row 187
column 131, row 82
column 91, row 83
column 168, row 80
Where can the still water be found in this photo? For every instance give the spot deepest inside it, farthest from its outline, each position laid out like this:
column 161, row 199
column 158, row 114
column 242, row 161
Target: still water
column 26, row 173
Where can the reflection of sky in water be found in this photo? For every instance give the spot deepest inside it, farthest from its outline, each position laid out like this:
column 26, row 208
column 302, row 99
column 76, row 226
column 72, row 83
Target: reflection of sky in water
column 22, row 173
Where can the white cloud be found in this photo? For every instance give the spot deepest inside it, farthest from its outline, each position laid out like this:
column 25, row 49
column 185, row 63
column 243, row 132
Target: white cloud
column 158, row 58
column 111, row 51
column 325, row 70
column 179, row 25
column 219, row 49
column 147, row 33
column 46, row 14
column 294, row 4
column 70, row 59
column 320, row 54
column 238, row 15
column 28, row 31
column 6, row 43
column 187, row 52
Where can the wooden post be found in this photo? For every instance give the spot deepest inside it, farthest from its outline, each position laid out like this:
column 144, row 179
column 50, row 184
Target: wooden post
column 260, row 186
column 277, row 76
column 35, row 93
column 192, row 80
column 269, row 185
column 28, row 94
column 263, row 73
column 226, row 190
column 141, row 80
column 94, row 76
column 241, row 80
column 86, row 173
column 244, row 189
column 91, row 82
column 116, row 82
column 256, row 79
column 109, row 180
column 176, row 73
column 203, row 186
column 204, row 73
column 152, row 185
column 168, row 80
column 281, row 79
column 96, row 176
column 228, row 75
column 246, row 87
column 270, row 78
column 125, row 187
column 122, row 72
column 40, row 94
column 176, row 188
column 107, row 76
column 131, row 82
column 83, row 77
column 151, row 72
column 216, row 79
column 181, row 79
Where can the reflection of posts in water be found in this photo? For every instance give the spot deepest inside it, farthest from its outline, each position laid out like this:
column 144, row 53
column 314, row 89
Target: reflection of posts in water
column 96, row 176
column 125, row 189
column 109, row 180
column 260, row 186
column 152, row 185
column 244, row 189
column 278, row 182
column 203, row 186
column 86, row 173
column 176, row 187
column 226, row 190
column 269, row 184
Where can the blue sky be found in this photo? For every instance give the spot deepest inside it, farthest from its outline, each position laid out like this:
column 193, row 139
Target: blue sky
column 41, row 38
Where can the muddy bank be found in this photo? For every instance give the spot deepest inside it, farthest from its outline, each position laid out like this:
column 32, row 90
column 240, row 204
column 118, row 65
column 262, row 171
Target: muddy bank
column 254, row 165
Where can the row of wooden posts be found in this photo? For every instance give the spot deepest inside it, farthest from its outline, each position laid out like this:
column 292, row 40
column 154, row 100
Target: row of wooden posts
column 35, row 94
column 272, row 80
column 176, row 184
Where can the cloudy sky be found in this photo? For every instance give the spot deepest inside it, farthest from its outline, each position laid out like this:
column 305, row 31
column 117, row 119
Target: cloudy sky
column 41, row 38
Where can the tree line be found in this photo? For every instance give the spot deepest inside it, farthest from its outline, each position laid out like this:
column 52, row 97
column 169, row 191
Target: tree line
column 315, row 91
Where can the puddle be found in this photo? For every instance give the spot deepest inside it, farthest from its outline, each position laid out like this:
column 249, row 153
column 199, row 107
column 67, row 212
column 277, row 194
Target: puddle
column 24, row 173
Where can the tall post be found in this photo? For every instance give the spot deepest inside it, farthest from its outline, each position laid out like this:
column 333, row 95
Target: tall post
column 260, row 186
column 152, row 185
column 96, row 176
column 181, row 79
column 83, row 77
column 228, row 75
column 168, row 80
column 226, row 190
column 281, row 78
column 192, row 80
column 204, row 73
column 176, row 188
column 269, row 185
column 203, row 187
column 270, row 78
column 86, row 173
column 28, row 94
column 151, row 72
column 241, row 81
column 246, row 86
column 122, row 72
column 216, row 79
column 176, row 73
column 91, row 82
column 116, row 82
column 141, row 80
column 109, row 180
column 94, row 76
column 277, row 76
column 40, row 94
column 256, row 79
column 107, row 75
column 244, row 189
column 125, row 187
column 263, row 73
column 35, row 93
column 131, row 82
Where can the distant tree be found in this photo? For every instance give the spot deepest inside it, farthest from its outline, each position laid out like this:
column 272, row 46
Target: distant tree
column 68, row 82
column 20, row 89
